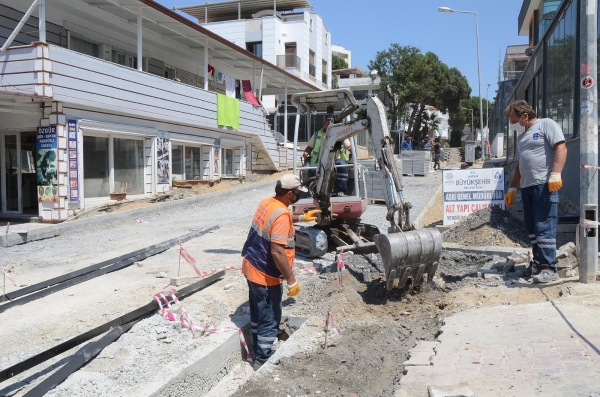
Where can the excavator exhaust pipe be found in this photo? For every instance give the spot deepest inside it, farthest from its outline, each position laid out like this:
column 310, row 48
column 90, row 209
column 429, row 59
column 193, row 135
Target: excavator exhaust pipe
column 409, row 254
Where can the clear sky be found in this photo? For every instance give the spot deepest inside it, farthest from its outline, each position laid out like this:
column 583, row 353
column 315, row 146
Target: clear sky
column 365, row 27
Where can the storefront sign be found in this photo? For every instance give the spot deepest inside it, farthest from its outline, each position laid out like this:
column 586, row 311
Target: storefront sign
column 162, row 154
column 468, row 191
column 46, row 164
column 73, row 161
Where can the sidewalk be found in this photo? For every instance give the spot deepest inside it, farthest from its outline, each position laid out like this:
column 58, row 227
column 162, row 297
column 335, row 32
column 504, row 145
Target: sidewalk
column 543, row 349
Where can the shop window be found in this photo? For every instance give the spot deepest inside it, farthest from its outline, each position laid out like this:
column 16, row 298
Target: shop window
column 129, row 165
column 96, row 169
column 177, row 152
column 192, row 163
column 227, row 161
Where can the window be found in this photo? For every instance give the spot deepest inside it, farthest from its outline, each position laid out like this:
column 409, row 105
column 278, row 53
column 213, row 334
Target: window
column 311, row 25
column 96, row 170
column 192, row 163
column 255, row 48
column 324, row 72
column 177, row 153
column 129, row 165
column 84, row 46
column 227, row 161
column 360, row 94
column 124, row 59
column 312, row 70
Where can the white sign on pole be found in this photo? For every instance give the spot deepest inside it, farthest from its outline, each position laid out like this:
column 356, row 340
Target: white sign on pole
column 468, row 191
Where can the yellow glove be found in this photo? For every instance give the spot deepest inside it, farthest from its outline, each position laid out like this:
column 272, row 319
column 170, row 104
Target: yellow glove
column 310, row 216
column 554, row 183
column 294, row 289
column 509, row 197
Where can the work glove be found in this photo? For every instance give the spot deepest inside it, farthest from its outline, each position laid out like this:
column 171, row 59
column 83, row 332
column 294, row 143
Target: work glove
column 509, row 197
column 310, row 216
column 555, row 182
column 294, row 289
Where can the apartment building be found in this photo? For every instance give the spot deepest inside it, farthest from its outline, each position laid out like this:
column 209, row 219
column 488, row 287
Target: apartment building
column 101, row 97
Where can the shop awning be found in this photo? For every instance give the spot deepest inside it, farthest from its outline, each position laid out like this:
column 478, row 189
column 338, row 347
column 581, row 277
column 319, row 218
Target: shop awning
column 243, row 9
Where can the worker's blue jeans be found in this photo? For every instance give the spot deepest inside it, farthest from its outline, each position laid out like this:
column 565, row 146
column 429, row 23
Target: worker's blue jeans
column 540, row 213
column 265, row 316
column 341, row 175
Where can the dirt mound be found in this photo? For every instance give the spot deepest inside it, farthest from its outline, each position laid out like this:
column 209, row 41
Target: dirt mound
column 490, row 226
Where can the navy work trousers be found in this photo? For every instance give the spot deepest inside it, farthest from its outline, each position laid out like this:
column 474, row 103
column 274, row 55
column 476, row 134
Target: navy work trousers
column 341, row 175
column 540, row 213
column 265, row 316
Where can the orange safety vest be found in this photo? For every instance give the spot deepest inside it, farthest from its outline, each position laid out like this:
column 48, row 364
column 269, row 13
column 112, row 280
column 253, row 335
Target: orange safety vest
column 257, row 264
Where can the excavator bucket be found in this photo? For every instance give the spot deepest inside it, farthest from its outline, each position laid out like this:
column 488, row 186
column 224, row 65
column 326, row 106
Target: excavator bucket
column 409, row 254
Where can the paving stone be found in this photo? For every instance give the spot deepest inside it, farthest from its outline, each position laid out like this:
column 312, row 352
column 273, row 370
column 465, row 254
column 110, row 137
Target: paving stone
column 521, row 267
column 419, row 359
column 460, row 390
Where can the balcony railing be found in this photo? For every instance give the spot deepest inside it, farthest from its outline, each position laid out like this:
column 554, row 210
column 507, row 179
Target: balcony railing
column 288, row 61
column 312, row 70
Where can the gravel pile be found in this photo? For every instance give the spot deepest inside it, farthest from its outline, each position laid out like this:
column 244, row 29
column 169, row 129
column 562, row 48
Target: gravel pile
column 490, row 226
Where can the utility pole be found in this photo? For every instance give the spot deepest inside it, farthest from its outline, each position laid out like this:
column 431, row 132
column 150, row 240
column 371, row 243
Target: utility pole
column 588, row 144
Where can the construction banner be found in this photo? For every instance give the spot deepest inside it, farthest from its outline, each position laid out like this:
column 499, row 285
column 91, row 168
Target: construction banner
column 468, row 191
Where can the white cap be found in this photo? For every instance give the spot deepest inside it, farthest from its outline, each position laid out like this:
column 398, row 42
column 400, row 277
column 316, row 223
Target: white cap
column 291, row 181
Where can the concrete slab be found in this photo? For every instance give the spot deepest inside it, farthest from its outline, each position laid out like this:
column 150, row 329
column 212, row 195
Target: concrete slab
column 177, row 281
column 461, row 390
column 419, row 358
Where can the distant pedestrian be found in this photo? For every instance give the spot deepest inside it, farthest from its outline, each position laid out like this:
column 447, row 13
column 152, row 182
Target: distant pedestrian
column 436, row 150
column 407, row 144
column 426, row 144
column 541, row 155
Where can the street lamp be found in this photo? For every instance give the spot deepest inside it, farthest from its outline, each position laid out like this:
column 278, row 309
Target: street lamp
column 472, row 136
column 448, row 9
column 487, row 106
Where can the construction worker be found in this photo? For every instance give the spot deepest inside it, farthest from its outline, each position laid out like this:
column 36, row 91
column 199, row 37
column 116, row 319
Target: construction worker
column 342, row 157
column 541, row 156
column 268, row 257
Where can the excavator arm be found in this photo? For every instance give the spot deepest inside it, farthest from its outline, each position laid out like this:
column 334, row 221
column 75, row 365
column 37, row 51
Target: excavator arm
column 375, row 122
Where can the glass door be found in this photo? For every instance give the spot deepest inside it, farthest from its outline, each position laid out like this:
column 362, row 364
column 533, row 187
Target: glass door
column 11, row 192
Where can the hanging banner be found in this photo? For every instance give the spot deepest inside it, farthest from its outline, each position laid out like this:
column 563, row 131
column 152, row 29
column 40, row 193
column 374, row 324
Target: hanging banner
column 46, row 164
column 73, row 161
column 468, row 191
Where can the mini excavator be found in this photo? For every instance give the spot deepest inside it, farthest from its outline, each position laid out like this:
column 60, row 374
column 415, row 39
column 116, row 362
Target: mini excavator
column 406, row 253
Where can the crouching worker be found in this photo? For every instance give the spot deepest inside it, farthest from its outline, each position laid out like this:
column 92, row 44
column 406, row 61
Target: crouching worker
column 268, row 258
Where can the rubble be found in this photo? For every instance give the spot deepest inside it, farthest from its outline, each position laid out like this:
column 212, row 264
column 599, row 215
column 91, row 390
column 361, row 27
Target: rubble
column 490, row 226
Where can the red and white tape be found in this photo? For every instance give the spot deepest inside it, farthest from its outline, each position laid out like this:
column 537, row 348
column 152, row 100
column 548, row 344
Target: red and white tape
column 336, row 330
column 8, row 276
column 186, row 319
column 340, row 266
column 589, row 167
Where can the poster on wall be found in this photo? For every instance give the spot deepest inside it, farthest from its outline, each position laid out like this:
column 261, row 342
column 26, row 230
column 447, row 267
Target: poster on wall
column 216, row 152
column 468, row 191
column 162, row 154
column 73, row 160
column 46, row 164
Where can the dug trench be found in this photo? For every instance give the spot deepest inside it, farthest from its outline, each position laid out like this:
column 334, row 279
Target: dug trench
column 378, row 326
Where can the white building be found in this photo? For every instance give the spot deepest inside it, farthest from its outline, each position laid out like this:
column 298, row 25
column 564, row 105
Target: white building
column 99, row 97
column 359, row 82
column 343, row 53
column 285, row 32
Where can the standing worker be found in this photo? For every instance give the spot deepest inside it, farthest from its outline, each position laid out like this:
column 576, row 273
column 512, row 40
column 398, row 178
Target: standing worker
column 426, row 144
column 341, row 158
column 436, row 149
column 268, row 258
column 541, row 155
column 407, row 144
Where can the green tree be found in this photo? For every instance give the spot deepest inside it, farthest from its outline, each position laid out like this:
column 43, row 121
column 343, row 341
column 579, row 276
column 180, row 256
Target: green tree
column 429, row 123
column 337, row 63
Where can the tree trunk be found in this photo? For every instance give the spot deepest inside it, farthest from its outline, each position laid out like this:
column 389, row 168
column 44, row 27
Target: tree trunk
column 411, row 120
column 417, row 126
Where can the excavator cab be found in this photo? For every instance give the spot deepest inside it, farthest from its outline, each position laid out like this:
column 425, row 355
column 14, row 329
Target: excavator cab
column 406, row 253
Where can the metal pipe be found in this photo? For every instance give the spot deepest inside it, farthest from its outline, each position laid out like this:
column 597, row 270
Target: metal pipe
column 19, row 25
column 206, row 74
column 479, row 79
column 285, row 112
column 42, row 21
column 262, row 71
column 206, row 13
column 296, row 128
column 588, row 144
column 139, row 39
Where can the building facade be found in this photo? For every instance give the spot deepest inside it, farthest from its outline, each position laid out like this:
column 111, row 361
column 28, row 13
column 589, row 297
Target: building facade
column 107, row 97
column 551, row 80
column 286, row 33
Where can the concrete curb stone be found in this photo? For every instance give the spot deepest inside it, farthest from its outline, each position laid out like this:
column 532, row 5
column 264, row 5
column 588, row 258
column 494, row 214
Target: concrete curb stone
column 486, row 250
column 419, row 220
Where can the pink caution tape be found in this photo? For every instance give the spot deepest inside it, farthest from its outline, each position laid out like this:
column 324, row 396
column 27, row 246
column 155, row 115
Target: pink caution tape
column 590, row 167
column 336, row 330
column 143, row 221
column 311, row 270
column 186, row 319
column 340, row 266
column 9, row 277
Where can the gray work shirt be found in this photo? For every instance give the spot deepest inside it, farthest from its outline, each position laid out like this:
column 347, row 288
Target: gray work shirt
column 535, row 151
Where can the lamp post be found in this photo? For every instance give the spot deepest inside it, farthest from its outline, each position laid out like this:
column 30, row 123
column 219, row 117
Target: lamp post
column 472, row 136
column 487, row 107
column 448, row 9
